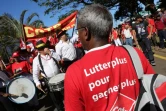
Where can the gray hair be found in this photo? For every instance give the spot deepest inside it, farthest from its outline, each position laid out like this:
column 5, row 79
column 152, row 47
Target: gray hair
column 97, row 19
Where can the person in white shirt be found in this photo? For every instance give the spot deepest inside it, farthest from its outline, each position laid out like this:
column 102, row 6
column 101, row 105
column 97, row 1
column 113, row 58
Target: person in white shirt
column 128, row 36
column 50, row 67
column 74, row 39
column 47, row 63
column 66, row 50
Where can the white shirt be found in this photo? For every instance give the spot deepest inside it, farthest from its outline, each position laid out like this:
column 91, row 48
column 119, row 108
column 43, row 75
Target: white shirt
column 66, row 50
column 49, row 66
column 74, row 39
column 127, row 33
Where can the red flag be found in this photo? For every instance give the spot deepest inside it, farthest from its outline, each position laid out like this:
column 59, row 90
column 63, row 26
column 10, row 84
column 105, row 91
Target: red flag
column 22, row 44
column 65, row 24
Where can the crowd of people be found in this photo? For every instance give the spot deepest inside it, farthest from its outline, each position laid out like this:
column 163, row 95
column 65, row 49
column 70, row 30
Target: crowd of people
column 94, row 61
column 42, row 61
column 143, row 32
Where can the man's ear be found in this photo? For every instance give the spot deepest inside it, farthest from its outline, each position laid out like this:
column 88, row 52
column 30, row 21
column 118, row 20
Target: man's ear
column 88, row 34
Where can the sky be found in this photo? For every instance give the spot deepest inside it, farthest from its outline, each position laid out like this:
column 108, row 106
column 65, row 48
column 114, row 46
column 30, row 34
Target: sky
column 15, row 7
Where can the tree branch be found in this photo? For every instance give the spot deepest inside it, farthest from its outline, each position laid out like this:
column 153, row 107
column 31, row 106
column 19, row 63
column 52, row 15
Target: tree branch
column 85, row 3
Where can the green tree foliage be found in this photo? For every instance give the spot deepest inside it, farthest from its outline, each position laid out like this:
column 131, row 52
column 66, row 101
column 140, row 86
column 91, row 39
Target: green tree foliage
column 162, row 4
column 11, row 31
column 125, row 8
column 9, row 34
column 61, row 17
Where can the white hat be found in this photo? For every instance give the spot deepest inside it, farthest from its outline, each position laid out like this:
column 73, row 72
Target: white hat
column 145, row 15
column 133, row 22
column 159, row 10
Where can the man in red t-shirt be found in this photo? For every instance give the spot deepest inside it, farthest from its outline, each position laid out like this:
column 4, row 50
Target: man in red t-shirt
column 161, row 31
column 152, row 23
column 19, row 67
column 104, row 79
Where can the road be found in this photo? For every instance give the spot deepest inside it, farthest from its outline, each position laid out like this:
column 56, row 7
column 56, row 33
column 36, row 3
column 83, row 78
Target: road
column 160, row 58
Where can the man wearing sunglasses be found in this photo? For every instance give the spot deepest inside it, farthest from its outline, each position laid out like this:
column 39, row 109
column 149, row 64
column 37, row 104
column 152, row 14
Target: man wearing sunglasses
column 104, row 79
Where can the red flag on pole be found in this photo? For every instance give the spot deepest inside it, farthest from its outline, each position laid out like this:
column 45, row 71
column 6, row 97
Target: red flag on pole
column 22, row 44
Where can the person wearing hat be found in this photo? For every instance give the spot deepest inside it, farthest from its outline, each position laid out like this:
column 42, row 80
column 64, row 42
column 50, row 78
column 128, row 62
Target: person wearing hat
column 159, row 11
column 66, row 50
column 30, row 54
column 46, row 63
column 19, row 67
column 47, row 57
column 142, row 37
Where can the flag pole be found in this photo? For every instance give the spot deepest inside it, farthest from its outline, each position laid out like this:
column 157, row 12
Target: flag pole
column 74, row 27
column 73, row 31
column 23, row 33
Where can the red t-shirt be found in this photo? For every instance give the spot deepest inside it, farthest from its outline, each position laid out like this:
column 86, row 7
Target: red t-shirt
column 159, row 25
column 151, row 22
column 115, row 34
column 22, row 66
column 103, row 80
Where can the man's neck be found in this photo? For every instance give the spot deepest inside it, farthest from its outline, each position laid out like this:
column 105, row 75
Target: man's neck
column 97, row 44
column 43, row 54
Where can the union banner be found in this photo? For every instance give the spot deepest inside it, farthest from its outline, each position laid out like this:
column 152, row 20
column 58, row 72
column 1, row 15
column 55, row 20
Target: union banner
column 65, row 24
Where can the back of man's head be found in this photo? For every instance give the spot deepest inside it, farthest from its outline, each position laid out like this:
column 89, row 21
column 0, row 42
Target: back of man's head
column 97, row 19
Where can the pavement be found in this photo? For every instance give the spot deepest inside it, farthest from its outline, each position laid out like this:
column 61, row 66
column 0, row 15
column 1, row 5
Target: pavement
column 160, row 68
column 160, row 58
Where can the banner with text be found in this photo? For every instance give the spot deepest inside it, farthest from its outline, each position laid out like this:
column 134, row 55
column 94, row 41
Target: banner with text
column 65, row 24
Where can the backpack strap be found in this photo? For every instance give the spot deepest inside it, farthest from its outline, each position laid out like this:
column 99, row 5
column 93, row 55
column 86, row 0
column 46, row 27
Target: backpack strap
column 40, row 63
column 59, row 67
column 148, row 83
column 135, row 59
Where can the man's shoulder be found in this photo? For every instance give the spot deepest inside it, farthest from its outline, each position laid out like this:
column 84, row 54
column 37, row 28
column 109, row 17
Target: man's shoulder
column 58, row 44
column 36, row 58
column 134, row 25
column 74, row 69
column 76, row 64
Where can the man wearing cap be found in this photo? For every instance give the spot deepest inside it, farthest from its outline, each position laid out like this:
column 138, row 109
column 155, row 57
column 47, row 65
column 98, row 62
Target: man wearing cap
column 140, row 32
column 65, row 50
column 50, row 67
column 19, row 67
column 46, row 62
